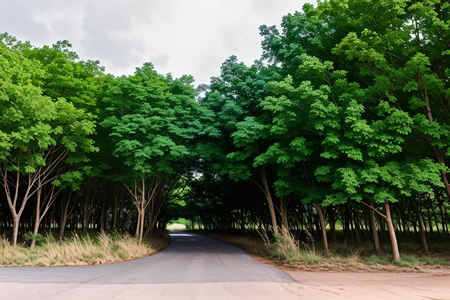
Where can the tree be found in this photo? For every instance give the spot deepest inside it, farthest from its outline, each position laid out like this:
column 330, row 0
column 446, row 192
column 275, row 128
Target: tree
column 151, row 120
column 48, row 132
column 235, row 97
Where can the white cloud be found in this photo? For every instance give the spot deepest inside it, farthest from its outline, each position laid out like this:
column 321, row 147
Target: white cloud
column 178, row 36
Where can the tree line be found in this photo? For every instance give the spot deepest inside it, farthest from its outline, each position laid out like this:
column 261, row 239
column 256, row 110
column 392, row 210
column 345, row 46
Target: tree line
column 343, row 122
column 81, row 149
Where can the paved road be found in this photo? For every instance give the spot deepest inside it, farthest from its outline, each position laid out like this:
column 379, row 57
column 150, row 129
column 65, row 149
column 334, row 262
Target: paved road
column 198, row 267
column 175, row 273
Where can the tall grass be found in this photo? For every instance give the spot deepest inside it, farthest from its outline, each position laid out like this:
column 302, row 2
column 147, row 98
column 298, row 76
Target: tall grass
column 104, row 248
column 286, row 249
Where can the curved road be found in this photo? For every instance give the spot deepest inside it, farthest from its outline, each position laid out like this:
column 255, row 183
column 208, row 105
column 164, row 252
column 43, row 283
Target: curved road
column 198, row 267
column 192, row 267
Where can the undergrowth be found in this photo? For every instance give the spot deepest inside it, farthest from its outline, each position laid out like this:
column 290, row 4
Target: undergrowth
column 80, row 250
column 287, row 249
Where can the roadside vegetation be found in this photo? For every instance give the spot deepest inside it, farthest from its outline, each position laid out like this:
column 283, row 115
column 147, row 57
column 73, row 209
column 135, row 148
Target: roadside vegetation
column 288, row 251
column 80, row 250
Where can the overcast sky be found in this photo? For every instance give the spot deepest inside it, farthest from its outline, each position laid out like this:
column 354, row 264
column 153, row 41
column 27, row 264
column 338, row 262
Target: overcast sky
column 177, row 36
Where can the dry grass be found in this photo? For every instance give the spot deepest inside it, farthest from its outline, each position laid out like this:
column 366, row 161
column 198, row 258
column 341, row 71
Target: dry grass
column 104, row 248
column 284, row 250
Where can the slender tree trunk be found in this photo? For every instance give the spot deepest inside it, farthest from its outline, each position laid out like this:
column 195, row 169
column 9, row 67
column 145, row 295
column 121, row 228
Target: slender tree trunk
column 323, row 227
column 357, row 228
column 430, row 227
column 64, row 215
column 284, row 201
column 37, row 216
column 138, row 225
column 62, row 227
column 352, row 228
column 414, row 226
column 423, row 236
column 310, row 220
column 366, row 226
column 373, row 225
column 141, row 230
column 115, row 212
column 436, row 221
column 268, row 195
column 346, row 223
column 443, row 218
column 242, row 222
column 12, row 200
column 403, row 220
column 332, row 221
column 388, row 218
column 16, row 219
column 392, row 236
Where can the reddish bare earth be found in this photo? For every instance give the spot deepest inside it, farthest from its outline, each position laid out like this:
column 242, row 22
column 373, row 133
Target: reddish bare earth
column 315, row 285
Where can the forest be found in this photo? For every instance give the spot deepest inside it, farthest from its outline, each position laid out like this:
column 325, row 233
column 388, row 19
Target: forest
column 340, row 130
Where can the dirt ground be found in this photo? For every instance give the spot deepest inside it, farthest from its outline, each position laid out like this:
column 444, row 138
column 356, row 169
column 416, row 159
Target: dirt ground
column 309, row 286
column 385, row 286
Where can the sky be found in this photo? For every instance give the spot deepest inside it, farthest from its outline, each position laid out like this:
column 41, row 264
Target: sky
column 178, row 36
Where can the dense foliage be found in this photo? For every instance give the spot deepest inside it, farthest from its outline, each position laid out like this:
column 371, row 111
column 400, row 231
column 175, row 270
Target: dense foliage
column 343, row 122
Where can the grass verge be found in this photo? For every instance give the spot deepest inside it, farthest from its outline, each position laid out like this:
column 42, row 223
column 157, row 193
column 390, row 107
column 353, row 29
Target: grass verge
column 76, row 251
column 284, row 250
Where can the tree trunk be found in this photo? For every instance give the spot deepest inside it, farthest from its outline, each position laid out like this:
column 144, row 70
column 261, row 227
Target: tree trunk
column 346, row 223
column 37, row 216
column 430, row 224
column 423, row 236
column 64, row 215
column 12, row 201
column 284, row 201
column 323, row 227
column 141, row 231
column 138, row 225
column 332, row 220
column 356, row 223
column 436, row 221
column 242, row 221
column 102, row 214
column 392, row 236
column 443, row 218
column 366, row 226
column 268, row 195
column 116, row 208
column 16, row 219
column 373, row 225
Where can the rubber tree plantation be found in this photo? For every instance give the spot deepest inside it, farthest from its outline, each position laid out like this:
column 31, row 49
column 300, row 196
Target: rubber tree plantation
column 339, row 132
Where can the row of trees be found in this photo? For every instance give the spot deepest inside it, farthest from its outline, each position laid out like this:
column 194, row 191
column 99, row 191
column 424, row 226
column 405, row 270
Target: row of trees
column 343, row 121
column 79, row 148
column 347, row 110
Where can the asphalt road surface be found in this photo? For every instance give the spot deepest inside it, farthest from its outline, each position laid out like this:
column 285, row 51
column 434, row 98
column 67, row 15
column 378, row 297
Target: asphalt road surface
column 192, row 267
column 198, row 267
